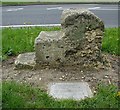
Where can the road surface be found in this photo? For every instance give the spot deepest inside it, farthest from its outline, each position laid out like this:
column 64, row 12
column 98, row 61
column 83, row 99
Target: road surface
column 50, row 14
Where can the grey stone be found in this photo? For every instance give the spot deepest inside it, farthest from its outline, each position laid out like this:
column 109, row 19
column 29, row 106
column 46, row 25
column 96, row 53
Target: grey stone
column 69, row 90
column 25, row 60
column 78, row 42
column 49, row 48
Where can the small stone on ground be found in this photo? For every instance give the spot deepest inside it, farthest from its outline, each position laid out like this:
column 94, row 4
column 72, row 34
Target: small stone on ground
column 26, row 60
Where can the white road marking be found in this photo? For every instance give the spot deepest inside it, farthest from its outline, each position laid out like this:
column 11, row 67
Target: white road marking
column 54, row 8
column 107, row 9
column 14, row 9
column 100, row 8
column 93, row 8
column 41, row 25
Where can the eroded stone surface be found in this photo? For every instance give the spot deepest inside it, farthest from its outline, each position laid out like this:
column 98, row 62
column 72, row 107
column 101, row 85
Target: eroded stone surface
column 75, row 90
column 49, row 48
column 78, row 42
column 26, row 60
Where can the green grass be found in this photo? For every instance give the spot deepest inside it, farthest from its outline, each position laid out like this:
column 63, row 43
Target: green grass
column 38, row 2
column 111, row 41
column 22, row 2
column 19, row 40
column 17, row 95
column 19, row 3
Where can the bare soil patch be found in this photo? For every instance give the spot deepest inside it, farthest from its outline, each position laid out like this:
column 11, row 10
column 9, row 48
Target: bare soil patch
column 41, row 77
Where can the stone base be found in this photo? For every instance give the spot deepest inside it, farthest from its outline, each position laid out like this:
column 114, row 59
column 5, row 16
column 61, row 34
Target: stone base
column 25, row 60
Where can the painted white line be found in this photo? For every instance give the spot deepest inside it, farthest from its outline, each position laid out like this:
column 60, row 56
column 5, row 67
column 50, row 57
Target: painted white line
column 41, row 25
column 107, row 9
column 14, row 9
column 20, row 9
column 100, row 8
column 93, row 8
column 54, row 8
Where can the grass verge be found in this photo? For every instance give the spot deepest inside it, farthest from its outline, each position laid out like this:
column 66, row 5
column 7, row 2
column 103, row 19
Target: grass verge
column 111, row 41
column 17, row 95
column 19, row 40
column 35, row 2
column 20, row 3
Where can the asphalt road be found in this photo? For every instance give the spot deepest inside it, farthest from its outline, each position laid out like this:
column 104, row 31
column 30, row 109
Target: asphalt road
column 50, row 14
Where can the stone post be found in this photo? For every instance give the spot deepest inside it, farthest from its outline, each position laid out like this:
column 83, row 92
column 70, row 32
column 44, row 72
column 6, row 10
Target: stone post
column 77, row 43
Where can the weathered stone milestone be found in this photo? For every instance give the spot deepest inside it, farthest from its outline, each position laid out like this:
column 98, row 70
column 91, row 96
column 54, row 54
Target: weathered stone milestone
column 64, row 56
column 78, row 42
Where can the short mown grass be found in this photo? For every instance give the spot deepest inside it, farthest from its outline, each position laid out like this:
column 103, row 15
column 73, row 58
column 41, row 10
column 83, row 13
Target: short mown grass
column 17, row 95
column 20, row 40
column 38, row 2
column 111, row 41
